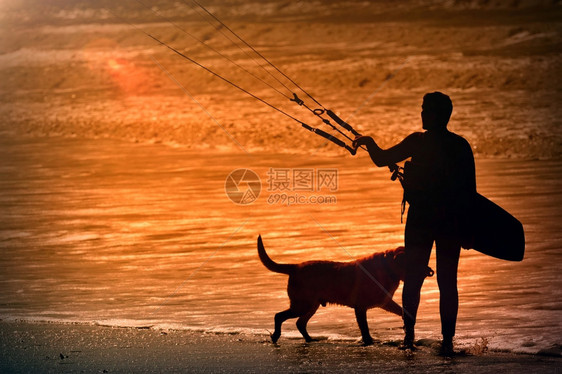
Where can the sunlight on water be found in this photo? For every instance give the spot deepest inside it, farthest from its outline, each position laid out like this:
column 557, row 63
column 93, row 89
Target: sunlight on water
column 149, row 237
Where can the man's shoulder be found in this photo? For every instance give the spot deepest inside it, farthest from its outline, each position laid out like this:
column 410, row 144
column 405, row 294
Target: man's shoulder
column 415, row 136
column 459, row 139
column 461, row 145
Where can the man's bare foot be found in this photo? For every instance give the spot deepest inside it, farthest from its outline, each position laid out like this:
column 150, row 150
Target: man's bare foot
column 408, row 343
column 447, row 348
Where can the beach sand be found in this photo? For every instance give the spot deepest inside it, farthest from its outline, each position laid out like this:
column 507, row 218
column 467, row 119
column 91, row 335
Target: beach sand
column 73, row 348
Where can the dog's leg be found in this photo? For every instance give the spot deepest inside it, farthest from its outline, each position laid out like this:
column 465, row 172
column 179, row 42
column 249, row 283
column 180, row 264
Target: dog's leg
column 361, row 316
column 279, row 319
column 303, row 320
column 392, row 307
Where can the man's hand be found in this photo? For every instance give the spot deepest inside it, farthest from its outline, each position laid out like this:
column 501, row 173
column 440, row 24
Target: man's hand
column 362, row 140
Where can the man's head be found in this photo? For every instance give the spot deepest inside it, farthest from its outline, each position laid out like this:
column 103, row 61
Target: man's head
column 436, row 111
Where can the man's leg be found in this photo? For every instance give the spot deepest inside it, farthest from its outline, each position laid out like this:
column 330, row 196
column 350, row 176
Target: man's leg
column 418, row 243
column 448, row 251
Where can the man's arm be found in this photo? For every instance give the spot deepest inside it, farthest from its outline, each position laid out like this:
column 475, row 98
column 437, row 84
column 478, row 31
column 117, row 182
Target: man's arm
column 384, row 157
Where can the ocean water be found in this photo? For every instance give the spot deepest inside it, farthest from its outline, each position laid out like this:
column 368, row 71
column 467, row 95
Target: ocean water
column 122, row 234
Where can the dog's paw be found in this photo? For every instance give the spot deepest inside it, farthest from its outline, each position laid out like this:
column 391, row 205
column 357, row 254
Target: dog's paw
column 367, row 342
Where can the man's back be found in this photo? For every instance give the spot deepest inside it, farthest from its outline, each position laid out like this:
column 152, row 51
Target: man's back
column 442, row 168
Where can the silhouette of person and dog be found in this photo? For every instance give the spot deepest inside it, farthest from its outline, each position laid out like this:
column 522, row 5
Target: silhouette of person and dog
column 439, row 185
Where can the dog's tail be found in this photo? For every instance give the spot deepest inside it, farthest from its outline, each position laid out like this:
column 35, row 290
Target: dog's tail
column 270, row 264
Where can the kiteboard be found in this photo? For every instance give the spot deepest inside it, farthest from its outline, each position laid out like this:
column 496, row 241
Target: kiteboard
column 495, row 232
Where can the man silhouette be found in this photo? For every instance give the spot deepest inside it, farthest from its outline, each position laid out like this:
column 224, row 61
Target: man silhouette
column 439, row 184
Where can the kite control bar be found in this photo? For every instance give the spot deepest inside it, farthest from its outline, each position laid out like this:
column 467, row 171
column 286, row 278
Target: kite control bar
column 342, row 123
column 331, row 138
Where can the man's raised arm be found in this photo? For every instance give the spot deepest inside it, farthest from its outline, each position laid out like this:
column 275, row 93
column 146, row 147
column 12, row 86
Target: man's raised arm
column 384, row 157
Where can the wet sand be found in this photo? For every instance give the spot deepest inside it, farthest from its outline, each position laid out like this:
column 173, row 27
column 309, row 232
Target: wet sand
column 46, row 348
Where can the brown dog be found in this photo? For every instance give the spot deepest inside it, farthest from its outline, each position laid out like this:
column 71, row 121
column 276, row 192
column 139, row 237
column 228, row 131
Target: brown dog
column 362, row 284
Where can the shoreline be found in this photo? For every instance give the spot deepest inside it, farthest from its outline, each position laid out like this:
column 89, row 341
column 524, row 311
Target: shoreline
column 77, row 347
